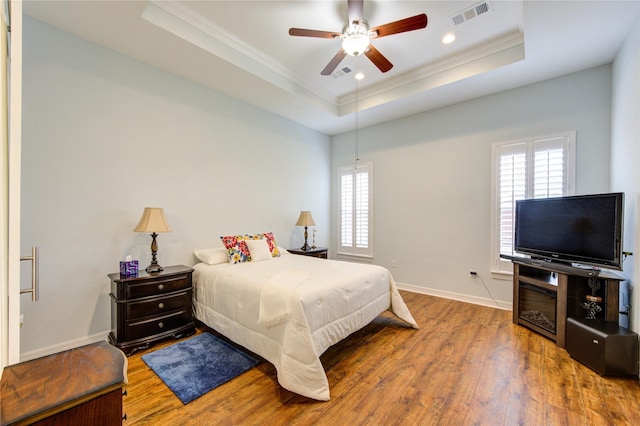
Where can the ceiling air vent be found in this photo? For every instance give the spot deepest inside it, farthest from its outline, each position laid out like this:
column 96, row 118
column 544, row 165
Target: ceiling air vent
column 470, row 13
column 340, row 72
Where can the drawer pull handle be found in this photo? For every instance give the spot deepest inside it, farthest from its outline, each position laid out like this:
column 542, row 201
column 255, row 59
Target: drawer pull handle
column 160, row 286
column 160, row 325
column 596, row 341
column 161, row 305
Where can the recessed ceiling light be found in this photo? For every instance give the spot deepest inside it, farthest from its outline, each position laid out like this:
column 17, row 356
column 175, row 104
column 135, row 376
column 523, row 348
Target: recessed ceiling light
column 448, row 38
column 359, row 76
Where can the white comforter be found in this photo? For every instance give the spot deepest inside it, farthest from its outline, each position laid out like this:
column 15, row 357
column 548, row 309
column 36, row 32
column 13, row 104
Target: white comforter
column 290, row 309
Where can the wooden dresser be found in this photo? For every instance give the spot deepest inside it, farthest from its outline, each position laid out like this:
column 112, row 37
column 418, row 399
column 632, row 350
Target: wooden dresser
column 151, row 307
column 75, row 387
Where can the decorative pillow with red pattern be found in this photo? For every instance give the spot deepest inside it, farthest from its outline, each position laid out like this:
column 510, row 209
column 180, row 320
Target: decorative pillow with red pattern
column 237, row 249
column 271, row 242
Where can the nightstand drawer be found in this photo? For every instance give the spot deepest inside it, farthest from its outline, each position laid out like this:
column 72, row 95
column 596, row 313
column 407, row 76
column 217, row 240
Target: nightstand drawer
column 135, row 290
column 150, row 307
column 319, row 254
column 157, row 305
column 156, row 325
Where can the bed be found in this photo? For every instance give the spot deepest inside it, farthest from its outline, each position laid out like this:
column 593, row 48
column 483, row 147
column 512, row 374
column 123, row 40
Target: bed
column 290, row 309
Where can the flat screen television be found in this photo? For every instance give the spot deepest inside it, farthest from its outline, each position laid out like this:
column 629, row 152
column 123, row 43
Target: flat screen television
column 584, row 229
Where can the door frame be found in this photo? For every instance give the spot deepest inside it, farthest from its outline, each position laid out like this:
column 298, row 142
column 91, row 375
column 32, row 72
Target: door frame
column 11, row 169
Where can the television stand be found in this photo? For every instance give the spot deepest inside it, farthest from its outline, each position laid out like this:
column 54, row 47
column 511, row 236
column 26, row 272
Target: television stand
column 545, row 294
column 569, row 269
column 554, row 265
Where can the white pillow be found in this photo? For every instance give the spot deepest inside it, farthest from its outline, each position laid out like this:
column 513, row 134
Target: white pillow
column 259, row 250
column 212, row 256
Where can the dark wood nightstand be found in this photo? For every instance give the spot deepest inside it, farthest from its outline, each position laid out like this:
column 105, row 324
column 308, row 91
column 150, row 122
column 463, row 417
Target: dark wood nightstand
column 320, row 252
column 151, row 307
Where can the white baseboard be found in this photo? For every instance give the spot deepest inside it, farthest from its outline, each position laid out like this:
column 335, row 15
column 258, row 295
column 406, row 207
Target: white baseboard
column 483, row 301
column 60, row 347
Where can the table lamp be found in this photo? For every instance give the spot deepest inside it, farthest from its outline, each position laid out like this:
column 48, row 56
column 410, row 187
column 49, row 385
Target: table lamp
column 305, row 220
column 153, row 221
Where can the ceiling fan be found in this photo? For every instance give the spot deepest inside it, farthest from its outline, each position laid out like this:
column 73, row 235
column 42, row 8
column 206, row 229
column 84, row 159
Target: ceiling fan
column 356, row 36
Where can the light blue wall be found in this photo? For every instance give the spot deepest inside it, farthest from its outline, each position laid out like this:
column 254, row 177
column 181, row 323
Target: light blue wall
column 432, row 177
column 103, row 137
column 625, row 148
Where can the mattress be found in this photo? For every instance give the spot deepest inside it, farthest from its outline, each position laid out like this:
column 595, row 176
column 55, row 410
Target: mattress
column 290, row 309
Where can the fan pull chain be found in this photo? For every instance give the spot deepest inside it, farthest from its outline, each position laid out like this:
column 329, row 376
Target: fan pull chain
column 357, row 154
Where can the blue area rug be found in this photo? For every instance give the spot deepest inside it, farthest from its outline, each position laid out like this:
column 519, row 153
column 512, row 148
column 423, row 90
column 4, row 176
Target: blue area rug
column 195, row 366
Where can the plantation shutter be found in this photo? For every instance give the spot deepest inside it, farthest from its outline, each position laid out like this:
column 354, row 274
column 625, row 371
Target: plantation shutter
column 535, row 168
column 549, row 169
column 346, row 210
column 355, row 210
column 361, row 210
column 512, row 187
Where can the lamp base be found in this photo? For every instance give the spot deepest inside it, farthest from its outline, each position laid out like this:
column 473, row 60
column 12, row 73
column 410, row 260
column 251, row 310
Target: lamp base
column 154, row 268
column 305, row 247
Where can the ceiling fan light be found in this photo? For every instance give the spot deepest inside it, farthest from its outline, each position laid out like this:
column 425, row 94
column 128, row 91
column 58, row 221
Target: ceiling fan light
column 448, row 38
column 356, row 44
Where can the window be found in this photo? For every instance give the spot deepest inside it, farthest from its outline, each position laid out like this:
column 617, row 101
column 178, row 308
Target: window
column 534, row 168
column 354, row 210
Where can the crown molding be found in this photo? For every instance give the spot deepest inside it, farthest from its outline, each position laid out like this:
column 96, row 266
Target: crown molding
column 493, row 54
column 182, row 21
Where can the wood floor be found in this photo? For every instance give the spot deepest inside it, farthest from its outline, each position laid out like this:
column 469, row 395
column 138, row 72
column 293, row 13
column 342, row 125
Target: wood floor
column 466, row 365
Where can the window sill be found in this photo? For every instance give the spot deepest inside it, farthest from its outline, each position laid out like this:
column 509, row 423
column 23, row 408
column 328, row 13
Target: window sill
column 355, row 258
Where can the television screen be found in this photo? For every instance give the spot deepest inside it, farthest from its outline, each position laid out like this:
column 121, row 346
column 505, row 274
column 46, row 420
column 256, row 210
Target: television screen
column 584, row 229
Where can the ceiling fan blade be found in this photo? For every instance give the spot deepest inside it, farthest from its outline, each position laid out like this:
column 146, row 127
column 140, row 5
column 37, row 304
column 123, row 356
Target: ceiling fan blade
column 302, row 32
column 403, row 25
column 334, row 62
column 378, row 59
column 355, row 10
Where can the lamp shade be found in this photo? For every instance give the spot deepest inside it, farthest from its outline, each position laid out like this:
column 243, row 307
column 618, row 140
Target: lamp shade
column 152, row 220
column 305, row 219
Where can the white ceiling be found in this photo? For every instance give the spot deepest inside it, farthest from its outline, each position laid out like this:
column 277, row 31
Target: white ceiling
column 242, row 49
